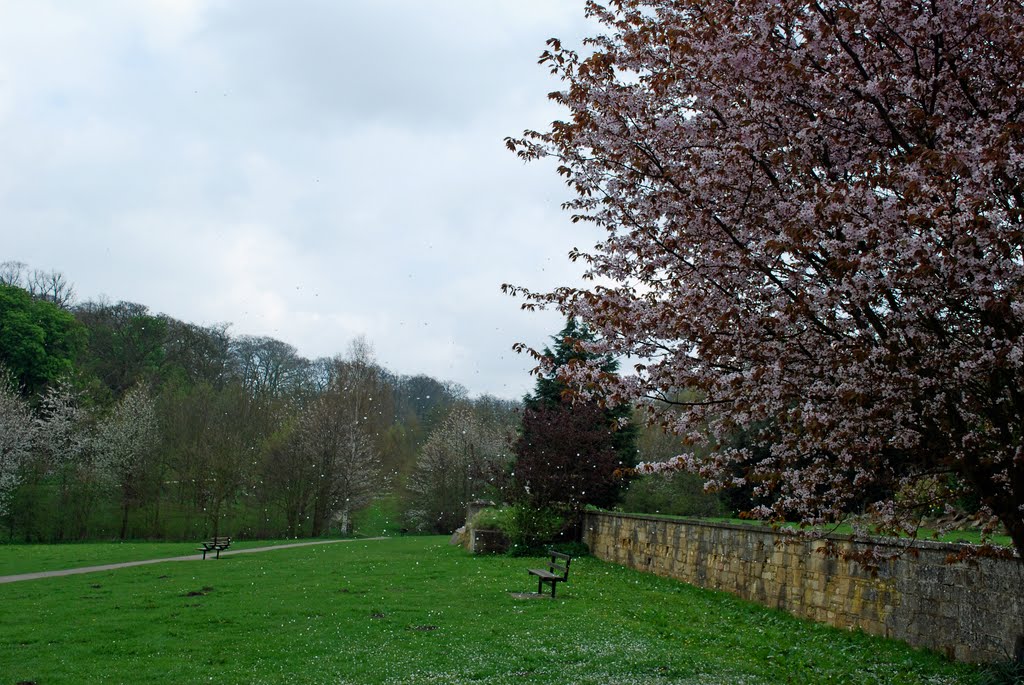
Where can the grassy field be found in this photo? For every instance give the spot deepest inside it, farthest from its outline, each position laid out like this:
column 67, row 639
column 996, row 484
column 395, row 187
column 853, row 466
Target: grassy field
column 19, row 558
column 376, row 520
column 380, row 518
column 415, row 610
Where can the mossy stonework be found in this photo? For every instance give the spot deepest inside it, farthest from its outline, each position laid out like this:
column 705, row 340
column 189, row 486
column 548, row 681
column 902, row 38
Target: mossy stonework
column 970, row 611
column 487, row 542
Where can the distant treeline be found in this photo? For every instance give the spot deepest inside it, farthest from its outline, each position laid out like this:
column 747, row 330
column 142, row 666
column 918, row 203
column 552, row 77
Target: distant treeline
column 118, row 422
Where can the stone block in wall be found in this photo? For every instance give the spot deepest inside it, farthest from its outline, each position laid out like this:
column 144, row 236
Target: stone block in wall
column 488, row 541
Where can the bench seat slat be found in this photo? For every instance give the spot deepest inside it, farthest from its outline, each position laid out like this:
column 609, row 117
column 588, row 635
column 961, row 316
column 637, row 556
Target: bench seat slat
column 545, row 574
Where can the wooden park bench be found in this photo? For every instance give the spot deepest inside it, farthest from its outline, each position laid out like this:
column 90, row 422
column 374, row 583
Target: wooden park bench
column 556, row 572
column 215, row 544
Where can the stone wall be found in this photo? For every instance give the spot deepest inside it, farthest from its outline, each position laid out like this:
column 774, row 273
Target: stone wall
column 969, row 611
column 487, row 542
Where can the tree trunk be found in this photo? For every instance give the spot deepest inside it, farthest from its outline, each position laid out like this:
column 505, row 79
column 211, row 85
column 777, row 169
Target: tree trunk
column 124, row 520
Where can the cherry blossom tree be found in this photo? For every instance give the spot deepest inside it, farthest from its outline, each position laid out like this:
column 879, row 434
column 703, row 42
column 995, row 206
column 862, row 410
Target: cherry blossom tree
column 812, row 215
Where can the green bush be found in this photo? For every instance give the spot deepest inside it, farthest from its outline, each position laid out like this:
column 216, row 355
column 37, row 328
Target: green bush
column 492, row 518
column 678, row 494
column 1003, row 673
column 573, row 548
column 532, row 531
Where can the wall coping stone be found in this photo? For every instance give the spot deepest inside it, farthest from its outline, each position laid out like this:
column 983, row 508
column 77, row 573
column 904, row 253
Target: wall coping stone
column 875, row 540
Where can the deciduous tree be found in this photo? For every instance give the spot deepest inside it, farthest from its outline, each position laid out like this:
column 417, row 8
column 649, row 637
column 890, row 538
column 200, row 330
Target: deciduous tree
column 460, row 462
column 345, row 464
column 17, row 428
column 814, row 219
column 566, row 457
column 38, row 339
column 64, row 455
column 125, row 444
column 42, row 285
column 266, row 366
column 126, row 344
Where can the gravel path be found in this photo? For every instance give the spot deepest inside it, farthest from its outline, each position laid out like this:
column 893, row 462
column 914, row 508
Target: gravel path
column 188, row 557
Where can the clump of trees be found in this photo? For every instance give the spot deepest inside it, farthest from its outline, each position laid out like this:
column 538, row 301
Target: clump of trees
column 573, row 450
column 465, row 459
column 677, row 493
column 38, row 340
column 558, row 455
column 812, row 219
column 119, row 422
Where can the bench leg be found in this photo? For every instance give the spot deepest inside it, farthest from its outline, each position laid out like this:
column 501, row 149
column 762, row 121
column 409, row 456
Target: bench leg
column 553, row 586
column 204, row 555
column 540, row 586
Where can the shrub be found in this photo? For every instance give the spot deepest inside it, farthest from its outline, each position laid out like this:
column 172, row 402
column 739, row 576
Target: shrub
column 492, row 518
column 573, row 548
column 532, row 531
column 1003, row 673
column 678, row 494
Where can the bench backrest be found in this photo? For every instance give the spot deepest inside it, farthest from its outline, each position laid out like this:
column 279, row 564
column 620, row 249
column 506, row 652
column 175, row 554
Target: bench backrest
column 220, row 541
column 559, row 563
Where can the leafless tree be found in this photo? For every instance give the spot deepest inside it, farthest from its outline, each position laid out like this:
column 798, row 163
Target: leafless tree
column 45, row 285
column 13, row 273
column 267, row 366
column 51, row 286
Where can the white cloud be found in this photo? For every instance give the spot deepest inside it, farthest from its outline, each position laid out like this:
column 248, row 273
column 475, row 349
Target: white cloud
column 312, row 170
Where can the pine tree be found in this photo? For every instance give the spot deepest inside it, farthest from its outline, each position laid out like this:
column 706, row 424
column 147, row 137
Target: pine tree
column 572, row 449
column 551, row 392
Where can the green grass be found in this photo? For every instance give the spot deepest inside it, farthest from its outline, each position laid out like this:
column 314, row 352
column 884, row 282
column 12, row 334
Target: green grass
column 416, row 610
column 22, row 558
column 379, row 519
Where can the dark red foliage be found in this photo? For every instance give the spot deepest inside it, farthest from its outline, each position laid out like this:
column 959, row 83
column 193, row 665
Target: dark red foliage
column 566, row 456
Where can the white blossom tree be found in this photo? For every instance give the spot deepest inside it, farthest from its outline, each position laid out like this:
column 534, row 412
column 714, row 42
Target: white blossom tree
column 344, row 462
column 125, row 442
column 17, row 430
column 63, row 453
column 460, row 462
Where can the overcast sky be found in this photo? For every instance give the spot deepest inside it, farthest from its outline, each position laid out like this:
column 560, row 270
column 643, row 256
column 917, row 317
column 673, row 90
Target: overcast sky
column 311, row 170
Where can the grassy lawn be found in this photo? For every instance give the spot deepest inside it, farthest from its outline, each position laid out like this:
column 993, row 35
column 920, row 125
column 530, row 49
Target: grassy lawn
column 415, row 610
column 16, row 558
column 19, row 558
column 379, row 519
